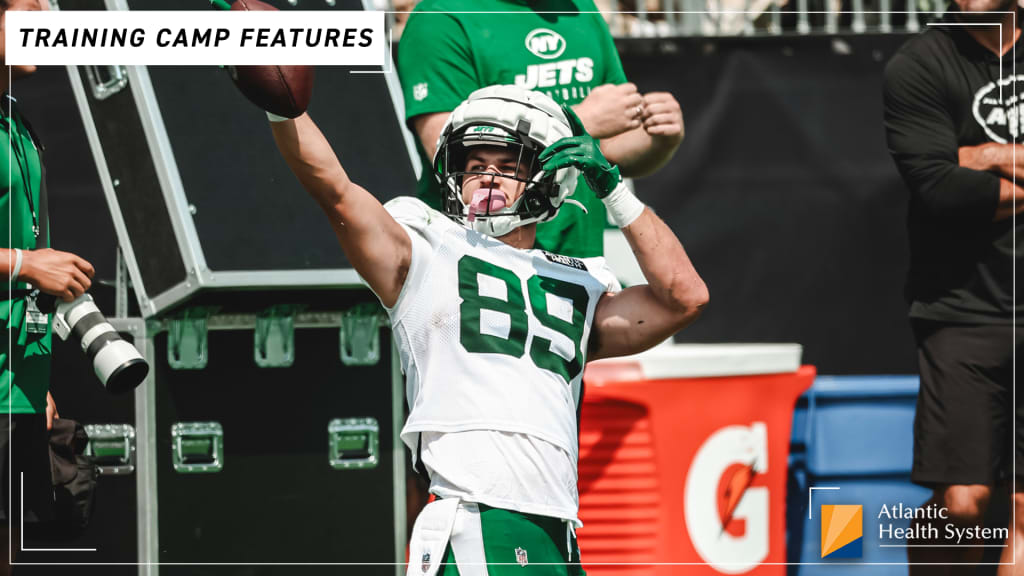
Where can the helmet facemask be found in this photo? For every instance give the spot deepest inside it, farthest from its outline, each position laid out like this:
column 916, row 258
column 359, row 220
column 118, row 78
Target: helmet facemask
column 517, row 120
column 486, row 212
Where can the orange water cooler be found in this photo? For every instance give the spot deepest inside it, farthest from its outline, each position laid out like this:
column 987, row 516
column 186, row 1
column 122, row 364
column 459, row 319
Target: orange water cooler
column 683, row 453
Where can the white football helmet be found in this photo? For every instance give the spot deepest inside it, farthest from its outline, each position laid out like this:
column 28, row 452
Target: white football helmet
column 504, row 116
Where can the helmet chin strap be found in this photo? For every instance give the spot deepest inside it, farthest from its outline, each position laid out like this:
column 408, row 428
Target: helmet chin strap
column 577, row 204
column 497, row 226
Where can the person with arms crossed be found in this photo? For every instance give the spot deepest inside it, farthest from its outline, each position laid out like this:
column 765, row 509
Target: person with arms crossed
column 26, row 408
column 452, row 47
column 953, row 130
column 493, row 334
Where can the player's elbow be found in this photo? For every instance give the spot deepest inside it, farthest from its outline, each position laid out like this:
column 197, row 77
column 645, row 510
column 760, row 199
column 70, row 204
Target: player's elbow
column 688, row 297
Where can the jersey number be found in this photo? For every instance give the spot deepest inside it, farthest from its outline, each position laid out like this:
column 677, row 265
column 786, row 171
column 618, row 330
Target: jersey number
column 514, row 306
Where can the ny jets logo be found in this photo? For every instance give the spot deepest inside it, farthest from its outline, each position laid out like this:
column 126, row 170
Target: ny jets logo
column 419, row 91
column 544, row 43
column 998, row 107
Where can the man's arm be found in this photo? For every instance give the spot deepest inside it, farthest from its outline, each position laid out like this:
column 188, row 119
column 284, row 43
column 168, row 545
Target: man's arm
column 923, row 142
column 376, row 245
column 57, row 273
column 1006, row 160
column 428, row 130
column 640, row 317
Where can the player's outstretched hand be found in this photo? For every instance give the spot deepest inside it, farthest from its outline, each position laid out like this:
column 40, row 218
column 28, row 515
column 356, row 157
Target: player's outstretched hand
column 61, row 274
column 662, row 115
column 612, row 109
column 583, row 152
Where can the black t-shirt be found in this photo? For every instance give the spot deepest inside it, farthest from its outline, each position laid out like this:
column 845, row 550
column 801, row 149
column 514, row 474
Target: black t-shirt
column 943, row 90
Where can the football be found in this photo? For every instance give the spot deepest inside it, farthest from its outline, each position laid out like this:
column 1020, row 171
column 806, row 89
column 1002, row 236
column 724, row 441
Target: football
column 281, row 90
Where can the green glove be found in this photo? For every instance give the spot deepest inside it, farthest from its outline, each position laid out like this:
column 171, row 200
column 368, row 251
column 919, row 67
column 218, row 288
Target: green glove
column 583, row 152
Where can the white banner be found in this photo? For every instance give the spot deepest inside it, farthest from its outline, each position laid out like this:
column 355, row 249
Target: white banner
column 196, row 38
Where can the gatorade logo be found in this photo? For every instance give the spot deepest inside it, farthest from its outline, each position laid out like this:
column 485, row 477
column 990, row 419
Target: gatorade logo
column 544, row 43
column 726, row 512
column 842, row 530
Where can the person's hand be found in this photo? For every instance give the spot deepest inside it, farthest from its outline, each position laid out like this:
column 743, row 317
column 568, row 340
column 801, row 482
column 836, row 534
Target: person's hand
column 611, row 109
column 662, row 115
column 60, row 274
column 51, row 411
column 583, row 152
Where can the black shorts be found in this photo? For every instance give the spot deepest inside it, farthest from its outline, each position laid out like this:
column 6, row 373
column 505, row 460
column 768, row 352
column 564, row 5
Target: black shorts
column 964, row 425
column 25, row 442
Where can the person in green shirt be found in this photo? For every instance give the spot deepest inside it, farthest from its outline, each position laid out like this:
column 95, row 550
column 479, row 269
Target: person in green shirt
column 29, row 267
column 563, row 48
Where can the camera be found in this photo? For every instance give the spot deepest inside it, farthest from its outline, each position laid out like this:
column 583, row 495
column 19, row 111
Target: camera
column 117, row 363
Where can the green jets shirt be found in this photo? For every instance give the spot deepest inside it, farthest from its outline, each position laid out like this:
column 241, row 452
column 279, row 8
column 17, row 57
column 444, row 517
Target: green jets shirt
column 560, row 47
column 28, row 366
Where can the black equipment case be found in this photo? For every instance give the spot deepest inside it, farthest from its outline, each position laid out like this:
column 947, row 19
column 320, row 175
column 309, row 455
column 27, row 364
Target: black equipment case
column 266, row 435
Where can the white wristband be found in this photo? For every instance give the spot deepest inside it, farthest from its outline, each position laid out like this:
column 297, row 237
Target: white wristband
column 275, row 118
column 623, row 206
column 17, row 265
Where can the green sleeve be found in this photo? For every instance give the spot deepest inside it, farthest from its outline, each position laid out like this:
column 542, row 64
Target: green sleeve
column 435, row 64
column 613, row 72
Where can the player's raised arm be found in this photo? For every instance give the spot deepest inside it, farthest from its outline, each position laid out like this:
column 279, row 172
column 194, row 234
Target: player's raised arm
column 378, row 247
column 639, row 317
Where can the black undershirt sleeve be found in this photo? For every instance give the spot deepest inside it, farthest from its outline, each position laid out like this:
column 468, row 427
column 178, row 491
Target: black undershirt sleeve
column 923, row 141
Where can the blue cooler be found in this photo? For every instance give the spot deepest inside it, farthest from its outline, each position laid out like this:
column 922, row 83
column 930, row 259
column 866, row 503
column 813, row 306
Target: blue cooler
column 854, row 433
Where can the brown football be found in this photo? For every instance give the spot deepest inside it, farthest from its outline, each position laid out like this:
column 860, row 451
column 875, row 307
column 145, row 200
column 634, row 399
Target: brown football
column 281, row 90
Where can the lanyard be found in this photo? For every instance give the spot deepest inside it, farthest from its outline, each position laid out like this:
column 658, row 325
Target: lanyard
column 26, row 176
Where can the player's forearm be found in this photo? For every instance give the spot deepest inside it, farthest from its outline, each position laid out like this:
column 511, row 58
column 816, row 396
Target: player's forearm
column 638, row 153
column 312, row 160
column 666, row 266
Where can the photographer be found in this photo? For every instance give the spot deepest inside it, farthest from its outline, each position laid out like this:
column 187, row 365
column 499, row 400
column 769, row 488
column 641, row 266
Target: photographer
column 31, row 268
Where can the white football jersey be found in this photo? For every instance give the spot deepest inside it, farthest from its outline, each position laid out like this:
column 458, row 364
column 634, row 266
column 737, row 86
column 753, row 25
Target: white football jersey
column 491, row 337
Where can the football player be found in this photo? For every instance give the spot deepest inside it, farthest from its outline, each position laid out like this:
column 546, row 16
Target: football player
column 492, row 334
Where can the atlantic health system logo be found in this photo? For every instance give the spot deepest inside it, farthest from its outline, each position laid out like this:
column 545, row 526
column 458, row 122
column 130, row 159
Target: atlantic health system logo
column 842, row 530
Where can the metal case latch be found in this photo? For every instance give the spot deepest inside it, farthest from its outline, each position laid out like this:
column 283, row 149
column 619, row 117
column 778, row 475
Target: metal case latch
column 197, row 447
column 186, row 339
column 105, row 81
column 353, row 443
column 274, row 338
column 358, row 341
column 112, row 448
